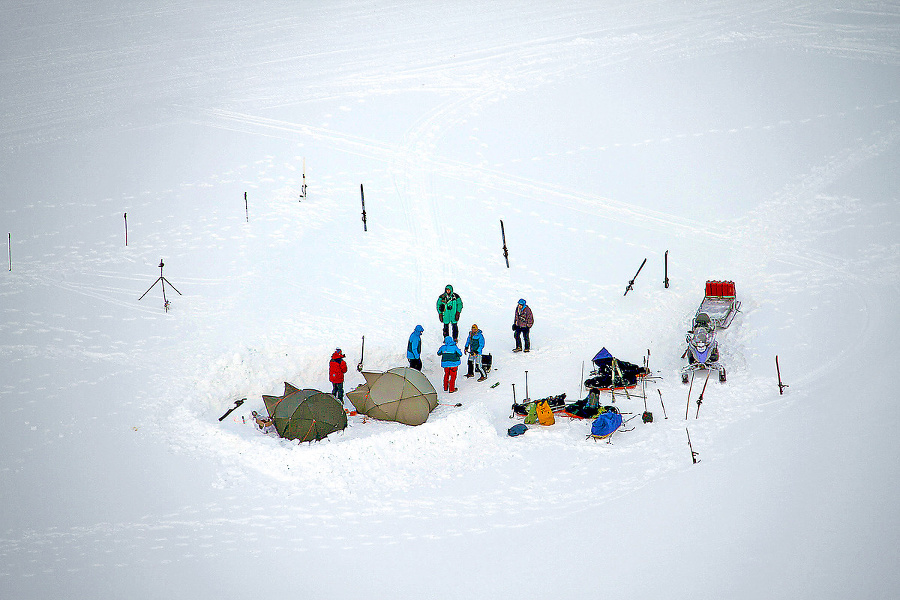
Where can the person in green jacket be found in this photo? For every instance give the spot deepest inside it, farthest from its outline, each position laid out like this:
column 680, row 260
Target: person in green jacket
column 449, row 306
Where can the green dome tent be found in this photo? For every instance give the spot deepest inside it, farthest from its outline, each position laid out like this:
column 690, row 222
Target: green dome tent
column 401, row 394
column 305, row 415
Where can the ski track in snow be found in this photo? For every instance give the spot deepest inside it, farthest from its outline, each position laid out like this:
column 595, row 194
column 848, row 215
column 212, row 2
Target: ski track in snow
column 57, row 262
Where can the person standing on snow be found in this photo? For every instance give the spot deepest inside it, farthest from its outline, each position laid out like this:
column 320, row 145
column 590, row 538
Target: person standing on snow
column 336, row 369
column 450, row 359
column 475, row 348
column 522, row 322
column 449, row 306
column 414, row 348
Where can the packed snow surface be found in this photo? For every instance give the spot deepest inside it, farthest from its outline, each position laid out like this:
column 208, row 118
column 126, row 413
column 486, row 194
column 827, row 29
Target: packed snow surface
column 755, row 142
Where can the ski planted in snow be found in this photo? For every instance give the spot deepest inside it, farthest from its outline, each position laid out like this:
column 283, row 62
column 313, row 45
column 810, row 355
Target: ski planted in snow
column 694, row 455
column 362, row 198
column 631, row 283
column 781, row 386
column 505, row 251
column 666, row 270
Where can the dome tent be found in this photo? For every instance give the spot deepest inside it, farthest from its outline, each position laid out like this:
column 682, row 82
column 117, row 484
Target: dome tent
column 401, row 394
column 305, row 415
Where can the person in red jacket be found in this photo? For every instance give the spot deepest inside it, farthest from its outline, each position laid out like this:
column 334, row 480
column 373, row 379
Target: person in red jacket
column 336, row 369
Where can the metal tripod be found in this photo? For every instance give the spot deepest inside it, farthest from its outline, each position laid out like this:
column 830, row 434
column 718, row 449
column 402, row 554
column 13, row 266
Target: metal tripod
column 162, row 281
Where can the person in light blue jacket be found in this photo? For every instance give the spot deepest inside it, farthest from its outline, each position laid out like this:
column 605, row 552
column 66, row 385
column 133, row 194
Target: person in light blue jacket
column 475, row 348
column 414, row 348
column 450, row 359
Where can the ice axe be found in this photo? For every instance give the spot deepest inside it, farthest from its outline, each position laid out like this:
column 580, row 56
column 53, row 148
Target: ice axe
column 232, row 409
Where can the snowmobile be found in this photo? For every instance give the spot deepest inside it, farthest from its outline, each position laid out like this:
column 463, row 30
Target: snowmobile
column 717, row 311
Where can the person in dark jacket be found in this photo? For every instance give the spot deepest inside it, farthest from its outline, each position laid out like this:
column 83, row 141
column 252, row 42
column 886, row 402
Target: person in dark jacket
column 522, row 323
column 475, row 348
column 450, row 359
column 449, row 306
column 414, row 348
column 336, row 369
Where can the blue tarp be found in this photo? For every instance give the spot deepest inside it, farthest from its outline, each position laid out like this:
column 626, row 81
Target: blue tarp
column 606, row 424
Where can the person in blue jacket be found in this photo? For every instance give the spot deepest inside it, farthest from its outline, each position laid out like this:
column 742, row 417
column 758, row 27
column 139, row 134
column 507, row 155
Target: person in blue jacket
column 414, row 348
column 475, row 348
column 450, row 359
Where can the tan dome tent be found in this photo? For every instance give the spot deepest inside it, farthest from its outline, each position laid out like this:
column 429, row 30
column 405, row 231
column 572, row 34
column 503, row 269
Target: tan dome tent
column 305, row 415
column 401, row 394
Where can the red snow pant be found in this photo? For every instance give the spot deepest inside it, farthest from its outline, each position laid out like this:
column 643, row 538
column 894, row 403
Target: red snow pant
column 450, row 379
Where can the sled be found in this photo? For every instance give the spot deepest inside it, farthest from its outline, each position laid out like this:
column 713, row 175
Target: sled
column 720, row 304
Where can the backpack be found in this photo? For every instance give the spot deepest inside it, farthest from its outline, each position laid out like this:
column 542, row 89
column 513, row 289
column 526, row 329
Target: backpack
column 531, row 418
column 515, row 430
column 544, row 414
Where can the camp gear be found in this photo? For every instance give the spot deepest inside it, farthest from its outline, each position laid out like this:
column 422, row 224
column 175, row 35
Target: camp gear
column 517, row 429
column 362, row 353
column 544, row 414
column 230, row 410
column 401, row 394
column 611, row 373
column 556, row 403
column 647, row 416
column 781, row 386
column 605, row 425
column 306, row 414
column 531, row 417
column 716, row 312
column 584, row 409
column 631, row 283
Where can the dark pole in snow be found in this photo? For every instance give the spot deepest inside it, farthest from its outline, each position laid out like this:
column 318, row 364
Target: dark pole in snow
column 9, row 247
column 303, row 187
column 126, row 229
column 246, row 208
column 505, row 251
column 362, row 198
column 781, row 386
column 661, row 403
column 700, row 398
column 631, row 283
column 666, row 280
column 691, row 447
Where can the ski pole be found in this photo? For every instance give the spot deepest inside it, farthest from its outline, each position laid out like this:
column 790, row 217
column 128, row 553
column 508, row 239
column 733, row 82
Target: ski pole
column 781, row 386
column 666, row 279
column 691, row 447
column 700, row 399
column 661, row 403
column 688, row 407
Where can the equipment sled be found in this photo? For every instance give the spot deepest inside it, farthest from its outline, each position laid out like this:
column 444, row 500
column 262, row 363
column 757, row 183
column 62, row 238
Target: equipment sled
column 612, row 373
column 606, row 424
column 556, row 403
column 716, row 311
